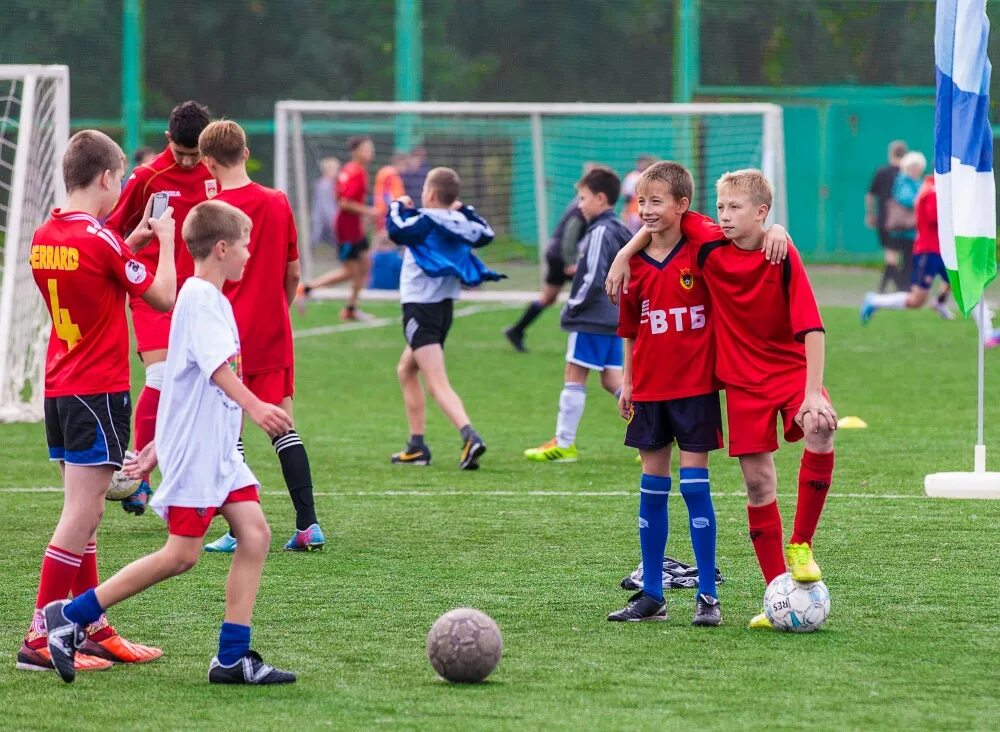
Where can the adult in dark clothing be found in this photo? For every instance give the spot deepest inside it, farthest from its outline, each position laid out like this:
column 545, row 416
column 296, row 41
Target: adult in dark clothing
column 876, row 206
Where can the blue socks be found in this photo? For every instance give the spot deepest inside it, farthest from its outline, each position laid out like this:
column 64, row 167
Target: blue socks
column 654, row 491
column 701, row 520
column 234, row 642
column 84, row 609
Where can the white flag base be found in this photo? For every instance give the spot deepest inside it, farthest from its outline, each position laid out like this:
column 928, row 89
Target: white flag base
column 979, row 484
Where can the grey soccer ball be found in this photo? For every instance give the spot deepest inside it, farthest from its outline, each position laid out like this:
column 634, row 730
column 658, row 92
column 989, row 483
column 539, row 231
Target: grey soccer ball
column 464, row 645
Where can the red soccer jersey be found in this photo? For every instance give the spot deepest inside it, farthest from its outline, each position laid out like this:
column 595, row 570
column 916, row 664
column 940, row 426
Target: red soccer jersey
column 84, row 272
column 259, row 301
column 352, row 185
column 927, row 219
column 187, row 188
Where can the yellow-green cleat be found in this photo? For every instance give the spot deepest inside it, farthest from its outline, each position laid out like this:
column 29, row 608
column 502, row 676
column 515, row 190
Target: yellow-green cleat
column 550, row 452
column 802, row 564
column 760, row 622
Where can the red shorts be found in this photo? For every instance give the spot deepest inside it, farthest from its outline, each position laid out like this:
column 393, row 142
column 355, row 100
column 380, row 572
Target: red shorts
column 194, row 522
column 152, row 327
column 272, row 386
column 753, row 417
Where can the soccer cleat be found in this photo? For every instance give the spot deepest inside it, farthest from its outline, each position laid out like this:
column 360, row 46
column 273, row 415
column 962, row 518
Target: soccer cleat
column 802, row 564
column 136, row 503
column 250, row 669
column 867, row 309
column 992, row 340
column 225, row 544
column 63, row 638
column 355, row 315
column 412, row 457
column 760, row 622
column 473, row 449
column 640, row 607
column 116, row 649
column 550, row 452
column 301, row 298
column 307, row 540
column 39, row 659
column 516, row 339
column 707, row 610
column 944, row 311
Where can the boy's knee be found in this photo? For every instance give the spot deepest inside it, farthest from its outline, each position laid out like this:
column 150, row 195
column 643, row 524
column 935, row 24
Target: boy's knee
column 820, row 439
column 182, row 558
column 256, row 538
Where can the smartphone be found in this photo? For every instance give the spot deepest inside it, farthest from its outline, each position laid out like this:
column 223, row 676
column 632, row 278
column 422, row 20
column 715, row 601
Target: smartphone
column 160, row 203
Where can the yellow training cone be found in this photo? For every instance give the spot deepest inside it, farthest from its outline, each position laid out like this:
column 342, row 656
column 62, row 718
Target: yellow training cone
column 851, row 423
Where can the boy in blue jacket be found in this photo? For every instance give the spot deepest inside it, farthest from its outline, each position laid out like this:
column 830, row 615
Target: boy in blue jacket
column 439, row 238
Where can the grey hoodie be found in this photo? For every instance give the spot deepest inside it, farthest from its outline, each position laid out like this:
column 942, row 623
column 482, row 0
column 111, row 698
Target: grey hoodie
column 588, row 309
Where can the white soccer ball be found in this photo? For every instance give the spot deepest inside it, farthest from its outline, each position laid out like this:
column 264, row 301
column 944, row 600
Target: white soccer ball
column 464, row 645
column 121, row 487
column 799, row 607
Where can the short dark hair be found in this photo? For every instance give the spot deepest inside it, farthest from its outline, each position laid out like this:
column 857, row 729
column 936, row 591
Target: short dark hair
column 211, row 222
column 602, row 179
column 186, row 122
column 141, row 153
column 353, row 143
column 88, row 154
column 445, row 183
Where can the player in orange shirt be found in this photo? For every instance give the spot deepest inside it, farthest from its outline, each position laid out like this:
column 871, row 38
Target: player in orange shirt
column 387, row 188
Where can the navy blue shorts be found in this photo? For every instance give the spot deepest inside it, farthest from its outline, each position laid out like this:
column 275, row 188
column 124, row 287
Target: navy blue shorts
column 925, row 268
column 88, row 430
column 695, row 423
column 352, row 251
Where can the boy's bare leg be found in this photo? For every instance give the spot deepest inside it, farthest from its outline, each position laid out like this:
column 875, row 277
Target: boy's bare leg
column 430, row 361
column 333, row 277
column 413, row 393
column 83, row 506
column 177, row 556
column 611, row 380
column 359, row 277
column 248, row 520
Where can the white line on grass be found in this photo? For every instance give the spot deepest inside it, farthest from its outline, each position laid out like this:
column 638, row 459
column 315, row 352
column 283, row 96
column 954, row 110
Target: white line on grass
column 383, row 322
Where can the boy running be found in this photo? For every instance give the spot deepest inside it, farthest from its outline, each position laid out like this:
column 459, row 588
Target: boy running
column 260, row 301
column 84, row 272
column 197, row 429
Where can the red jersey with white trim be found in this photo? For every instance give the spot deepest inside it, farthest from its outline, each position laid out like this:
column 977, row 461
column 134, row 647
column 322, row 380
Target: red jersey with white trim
column 927, row 241
column 187, row 188
column 762, row 311
column 258, row 299
column 84, row 273
column 668, row 313
column 352, row 185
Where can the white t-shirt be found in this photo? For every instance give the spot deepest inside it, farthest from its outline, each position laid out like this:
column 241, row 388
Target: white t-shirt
column 197, row 425
column 417, row 286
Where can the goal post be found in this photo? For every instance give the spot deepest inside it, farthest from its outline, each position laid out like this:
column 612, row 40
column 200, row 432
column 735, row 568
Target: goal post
column 519, row 161
column 34, row 129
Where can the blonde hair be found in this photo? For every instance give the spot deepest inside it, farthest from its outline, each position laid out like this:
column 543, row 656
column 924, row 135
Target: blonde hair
column 912, row 159
column 750, row 181
column 445, row 183
column 673, row 175
column 210, row 222
column 223, row 140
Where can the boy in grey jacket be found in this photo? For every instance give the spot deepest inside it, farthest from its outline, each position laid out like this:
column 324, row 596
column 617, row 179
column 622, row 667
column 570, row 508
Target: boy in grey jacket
column 589, row 316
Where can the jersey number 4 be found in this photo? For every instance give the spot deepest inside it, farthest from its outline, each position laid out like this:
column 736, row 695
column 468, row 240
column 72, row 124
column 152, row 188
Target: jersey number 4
column 65, row 328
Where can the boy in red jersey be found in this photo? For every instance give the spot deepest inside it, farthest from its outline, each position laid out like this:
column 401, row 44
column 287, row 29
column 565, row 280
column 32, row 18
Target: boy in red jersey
column 260, row 301
column 352, row 191
column 666, row 318
column 179, row 172
column 84, row 273
column 770, row 346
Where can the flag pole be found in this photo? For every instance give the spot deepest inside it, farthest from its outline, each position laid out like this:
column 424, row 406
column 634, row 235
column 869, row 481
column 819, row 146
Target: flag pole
column 979, row 464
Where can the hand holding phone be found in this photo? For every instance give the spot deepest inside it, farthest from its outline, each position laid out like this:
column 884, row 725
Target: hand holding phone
column 160, row 202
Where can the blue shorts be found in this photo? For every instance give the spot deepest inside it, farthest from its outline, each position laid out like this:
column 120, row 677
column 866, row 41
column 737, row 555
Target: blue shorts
column 925, row 268
column 694, row 422
column 88, row 430
column 594, row 352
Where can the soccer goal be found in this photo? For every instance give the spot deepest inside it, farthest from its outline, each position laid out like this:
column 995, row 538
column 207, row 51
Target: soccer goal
column 519, row 162
column 34, row 128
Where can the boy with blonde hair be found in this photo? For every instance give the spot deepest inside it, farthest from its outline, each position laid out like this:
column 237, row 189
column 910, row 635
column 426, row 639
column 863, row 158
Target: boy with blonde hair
column 197, row 428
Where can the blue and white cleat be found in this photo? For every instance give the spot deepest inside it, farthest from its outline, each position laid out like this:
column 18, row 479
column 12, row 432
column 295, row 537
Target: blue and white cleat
column 136, row 503
column 225, row 544
column 307, row 540
column 867, row 309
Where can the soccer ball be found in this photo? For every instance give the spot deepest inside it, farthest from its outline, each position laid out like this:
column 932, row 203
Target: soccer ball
column 121, row 487
column 464, row 645
column 799, row 607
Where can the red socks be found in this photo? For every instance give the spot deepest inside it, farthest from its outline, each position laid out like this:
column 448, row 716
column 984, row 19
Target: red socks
column 767, row 539
column 145, row 417
column 815, row 476
column 86, row 576
column 59, row 570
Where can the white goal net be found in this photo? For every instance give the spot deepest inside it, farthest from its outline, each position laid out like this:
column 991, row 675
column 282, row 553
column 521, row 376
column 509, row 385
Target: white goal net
column 519, row 162
column 34, row 128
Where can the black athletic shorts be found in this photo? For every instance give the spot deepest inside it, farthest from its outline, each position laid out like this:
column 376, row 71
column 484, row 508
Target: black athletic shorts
column 425, row 324
column 352, row 250
column 555, row 270
column 89, row 430
column 694, row 422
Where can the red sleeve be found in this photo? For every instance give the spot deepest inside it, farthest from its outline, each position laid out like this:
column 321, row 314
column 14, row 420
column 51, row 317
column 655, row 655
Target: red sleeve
column 802, row 305
column 351, row 185
column 699, row 229
column 928, row 207
column 127, row 212
column 130, row 273
column 293, row 233
column 628, row 310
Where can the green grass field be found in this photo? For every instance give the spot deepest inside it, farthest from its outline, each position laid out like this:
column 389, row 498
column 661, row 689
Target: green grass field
column 911, row 643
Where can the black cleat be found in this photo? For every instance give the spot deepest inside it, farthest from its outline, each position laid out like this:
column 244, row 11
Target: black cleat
column 707, row 611
column 640, row 607
column 64, row 638
column 516, row 339
column 473, row 449
column 412, row 457
column 250, row 669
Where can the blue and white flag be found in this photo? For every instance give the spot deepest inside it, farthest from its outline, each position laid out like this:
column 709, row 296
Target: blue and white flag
column 963, row 149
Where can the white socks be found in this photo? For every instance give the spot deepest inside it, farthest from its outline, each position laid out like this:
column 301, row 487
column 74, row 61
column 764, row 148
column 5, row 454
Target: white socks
column 890, row 300
column 572, row 401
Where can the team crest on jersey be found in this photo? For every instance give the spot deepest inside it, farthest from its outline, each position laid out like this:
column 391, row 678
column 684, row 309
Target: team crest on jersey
column 135, row 271
column 687, row 279
column 211, row 188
